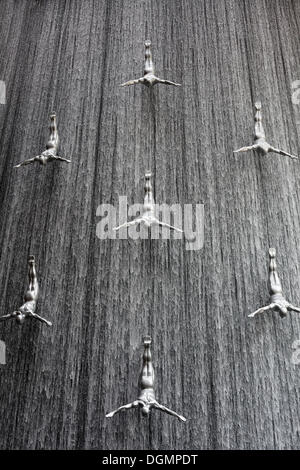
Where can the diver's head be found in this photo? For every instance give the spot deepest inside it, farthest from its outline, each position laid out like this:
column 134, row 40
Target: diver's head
column 31, row 259
column 146, row 410
column 20, row 317
column 283, row 312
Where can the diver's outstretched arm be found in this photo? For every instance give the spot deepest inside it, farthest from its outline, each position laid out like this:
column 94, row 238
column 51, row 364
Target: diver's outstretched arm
column 262, row 310
column 62, row 159
column 41, row 319
column 282, row 152
column 167, row 82
column 128, row 224
column 295, row 309
column 163, row 224
column 167, row 410
column 245, row 149
column 133, row 82
column 121, row 408
column 27, row 162
column 10, row 316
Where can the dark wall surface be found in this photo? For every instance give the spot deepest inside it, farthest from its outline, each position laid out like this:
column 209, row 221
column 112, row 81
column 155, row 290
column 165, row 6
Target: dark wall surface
column 231, row 376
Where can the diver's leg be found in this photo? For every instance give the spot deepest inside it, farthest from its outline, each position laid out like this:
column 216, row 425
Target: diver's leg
column 147, row 375
column 258, row 128
column 53, row 139
column 33, row 283
column 274, row 281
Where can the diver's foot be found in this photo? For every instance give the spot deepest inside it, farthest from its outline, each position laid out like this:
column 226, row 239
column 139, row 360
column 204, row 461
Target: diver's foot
column 258, row 105
column 272, row 252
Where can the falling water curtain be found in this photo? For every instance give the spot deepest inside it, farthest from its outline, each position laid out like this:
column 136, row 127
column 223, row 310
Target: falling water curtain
column 236, row 379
